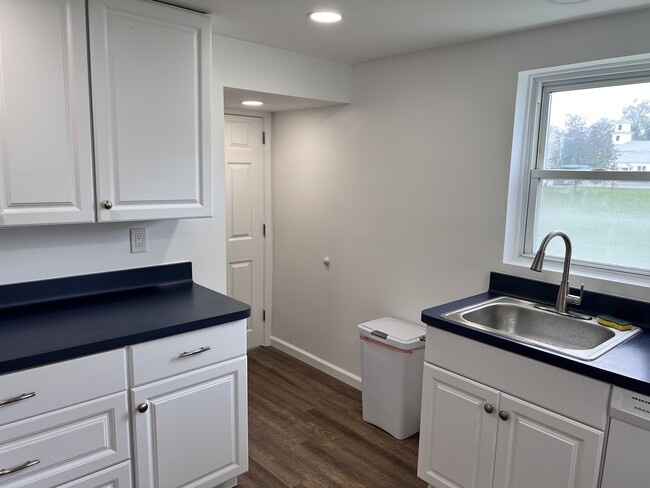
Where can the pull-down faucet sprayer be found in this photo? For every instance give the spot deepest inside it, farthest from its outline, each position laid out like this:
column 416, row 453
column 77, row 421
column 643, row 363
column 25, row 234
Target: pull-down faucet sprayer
column 564, row 297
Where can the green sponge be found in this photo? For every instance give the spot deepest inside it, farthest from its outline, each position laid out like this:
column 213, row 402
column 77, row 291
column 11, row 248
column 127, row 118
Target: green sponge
column 610, row 321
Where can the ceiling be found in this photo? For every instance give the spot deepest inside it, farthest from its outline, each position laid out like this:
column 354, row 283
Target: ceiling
column 232, row 98
column 376, row 29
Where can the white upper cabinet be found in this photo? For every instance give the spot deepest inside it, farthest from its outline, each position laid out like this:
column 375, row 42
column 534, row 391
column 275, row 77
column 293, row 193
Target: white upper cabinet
column 45, row 137
column 150, row 77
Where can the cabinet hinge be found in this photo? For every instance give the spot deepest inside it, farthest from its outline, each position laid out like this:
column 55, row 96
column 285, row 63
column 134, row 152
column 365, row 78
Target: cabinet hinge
column 263, row 230
column 263, row 315
column 263, row 137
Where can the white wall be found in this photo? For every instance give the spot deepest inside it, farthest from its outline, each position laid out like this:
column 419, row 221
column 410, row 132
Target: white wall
column 405, row 189
column 35, row 253
column 250, row 66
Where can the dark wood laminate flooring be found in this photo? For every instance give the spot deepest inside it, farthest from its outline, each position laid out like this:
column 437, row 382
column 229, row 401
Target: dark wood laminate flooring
column 306, row 431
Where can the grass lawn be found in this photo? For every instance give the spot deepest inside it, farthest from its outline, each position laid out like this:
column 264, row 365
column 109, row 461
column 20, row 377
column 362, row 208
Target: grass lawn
column 609, row 224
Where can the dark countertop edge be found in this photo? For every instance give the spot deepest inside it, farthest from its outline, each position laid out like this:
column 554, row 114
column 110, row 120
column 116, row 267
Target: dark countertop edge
column 82, row 286
column 69, row 292
column 433, row 317
column 14, row 365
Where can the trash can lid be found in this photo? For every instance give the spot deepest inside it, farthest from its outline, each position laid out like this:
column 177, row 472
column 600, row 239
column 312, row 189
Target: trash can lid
column 396, row 333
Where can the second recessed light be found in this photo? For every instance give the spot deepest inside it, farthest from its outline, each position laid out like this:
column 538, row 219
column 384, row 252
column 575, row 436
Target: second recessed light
column 252, row 103
column 325, row 17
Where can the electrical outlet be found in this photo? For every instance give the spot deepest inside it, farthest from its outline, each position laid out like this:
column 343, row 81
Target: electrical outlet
column 139, row 239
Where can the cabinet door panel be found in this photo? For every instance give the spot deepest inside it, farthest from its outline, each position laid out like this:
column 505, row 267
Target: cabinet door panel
column 45, row 139
column 151, row 99
column 457, row 435
column 194, row 433
column 538, row 449
column 114, row 477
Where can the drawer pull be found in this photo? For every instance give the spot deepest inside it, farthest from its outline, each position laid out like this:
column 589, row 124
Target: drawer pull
column 195, row 352
column 24, row 396
column 5, row 471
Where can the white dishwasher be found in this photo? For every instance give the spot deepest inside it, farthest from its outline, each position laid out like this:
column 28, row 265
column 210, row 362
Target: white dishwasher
column 627, row 459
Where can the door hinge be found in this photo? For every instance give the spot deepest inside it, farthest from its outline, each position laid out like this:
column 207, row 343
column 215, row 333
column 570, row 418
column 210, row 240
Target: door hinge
column 263, row 137
column 263, row 230
column 263, row 315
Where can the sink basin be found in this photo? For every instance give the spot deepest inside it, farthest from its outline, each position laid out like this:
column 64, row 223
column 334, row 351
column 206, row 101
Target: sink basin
column 520, row 320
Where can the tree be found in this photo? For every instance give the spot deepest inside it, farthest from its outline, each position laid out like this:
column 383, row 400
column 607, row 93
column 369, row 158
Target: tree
column 582, row 145
column 639, row 115
column 602, row 152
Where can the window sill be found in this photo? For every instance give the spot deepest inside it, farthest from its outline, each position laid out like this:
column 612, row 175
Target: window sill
column 617, row 283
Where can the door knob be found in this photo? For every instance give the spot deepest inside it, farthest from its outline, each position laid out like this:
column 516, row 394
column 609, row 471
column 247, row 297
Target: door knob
column 143, row 407
column 488, row 408
column 107, row 204
column 503, row 415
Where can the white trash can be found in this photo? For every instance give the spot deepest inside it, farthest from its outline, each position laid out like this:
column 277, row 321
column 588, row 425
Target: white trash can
column 392, row 359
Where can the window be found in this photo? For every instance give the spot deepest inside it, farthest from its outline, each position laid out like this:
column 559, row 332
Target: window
column 569, row 171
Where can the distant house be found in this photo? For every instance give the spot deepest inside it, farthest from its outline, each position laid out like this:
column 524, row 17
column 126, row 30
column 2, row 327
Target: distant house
column 633, row 156
column 622, row 132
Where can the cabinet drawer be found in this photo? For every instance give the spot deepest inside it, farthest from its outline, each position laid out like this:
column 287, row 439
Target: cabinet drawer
column 116, row 477
column 61, row 384
column 68, row 444
column 172, row 355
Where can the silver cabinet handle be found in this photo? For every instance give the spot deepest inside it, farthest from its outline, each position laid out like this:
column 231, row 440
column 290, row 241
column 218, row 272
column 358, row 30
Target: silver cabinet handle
column 107, row 204
column 5, row 471
column 195, row 351
column 24, row 396
column 143, row 407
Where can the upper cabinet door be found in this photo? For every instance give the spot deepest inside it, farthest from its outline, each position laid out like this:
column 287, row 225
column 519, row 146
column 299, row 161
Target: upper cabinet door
column 45, row 138
column 150, row 78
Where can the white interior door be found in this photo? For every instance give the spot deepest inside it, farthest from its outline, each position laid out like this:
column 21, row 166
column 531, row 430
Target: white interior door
column 245, row 217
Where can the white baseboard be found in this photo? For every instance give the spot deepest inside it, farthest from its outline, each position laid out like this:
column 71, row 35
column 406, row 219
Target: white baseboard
column 318, row 363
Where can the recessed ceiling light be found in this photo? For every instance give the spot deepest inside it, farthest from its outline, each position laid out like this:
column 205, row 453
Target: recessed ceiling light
column 567, row 2
column 325, row 17
column 252, row 103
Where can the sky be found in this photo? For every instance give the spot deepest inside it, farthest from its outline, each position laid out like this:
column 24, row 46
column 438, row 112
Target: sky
column 596, row 103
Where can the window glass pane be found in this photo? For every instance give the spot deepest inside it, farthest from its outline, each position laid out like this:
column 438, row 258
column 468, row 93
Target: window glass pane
column 608, row 222
column 603, row 128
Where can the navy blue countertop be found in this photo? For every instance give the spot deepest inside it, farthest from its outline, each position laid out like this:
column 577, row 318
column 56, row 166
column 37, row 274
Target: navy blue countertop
column 627, row 365
column 53, row 320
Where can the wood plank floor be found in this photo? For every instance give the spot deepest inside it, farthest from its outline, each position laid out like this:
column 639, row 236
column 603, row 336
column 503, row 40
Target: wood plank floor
column 306, row 431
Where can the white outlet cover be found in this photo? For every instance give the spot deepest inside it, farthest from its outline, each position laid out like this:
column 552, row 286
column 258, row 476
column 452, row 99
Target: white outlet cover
column 138, row 239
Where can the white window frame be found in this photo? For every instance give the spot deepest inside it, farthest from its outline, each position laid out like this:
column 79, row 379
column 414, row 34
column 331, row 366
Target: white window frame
column 528, row 131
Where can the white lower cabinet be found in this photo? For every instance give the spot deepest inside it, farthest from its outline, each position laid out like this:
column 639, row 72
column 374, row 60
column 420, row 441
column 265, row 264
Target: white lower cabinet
column 474, row 436
column 189, row 408
column 189, row 430
column 72, row 424
column 75, row 425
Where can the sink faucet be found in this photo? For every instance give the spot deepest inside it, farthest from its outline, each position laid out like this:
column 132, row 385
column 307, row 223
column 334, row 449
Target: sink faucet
column 564, row 297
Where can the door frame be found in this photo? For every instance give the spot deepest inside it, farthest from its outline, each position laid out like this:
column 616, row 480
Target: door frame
column 268, row 213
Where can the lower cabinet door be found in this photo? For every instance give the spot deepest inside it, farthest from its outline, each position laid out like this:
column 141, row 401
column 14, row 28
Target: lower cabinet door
column 541, row 449
column 458, row 431
column 190, row 430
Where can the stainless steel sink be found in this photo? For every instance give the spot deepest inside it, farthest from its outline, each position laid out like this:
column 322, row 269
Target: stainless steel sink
column 520, row 320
